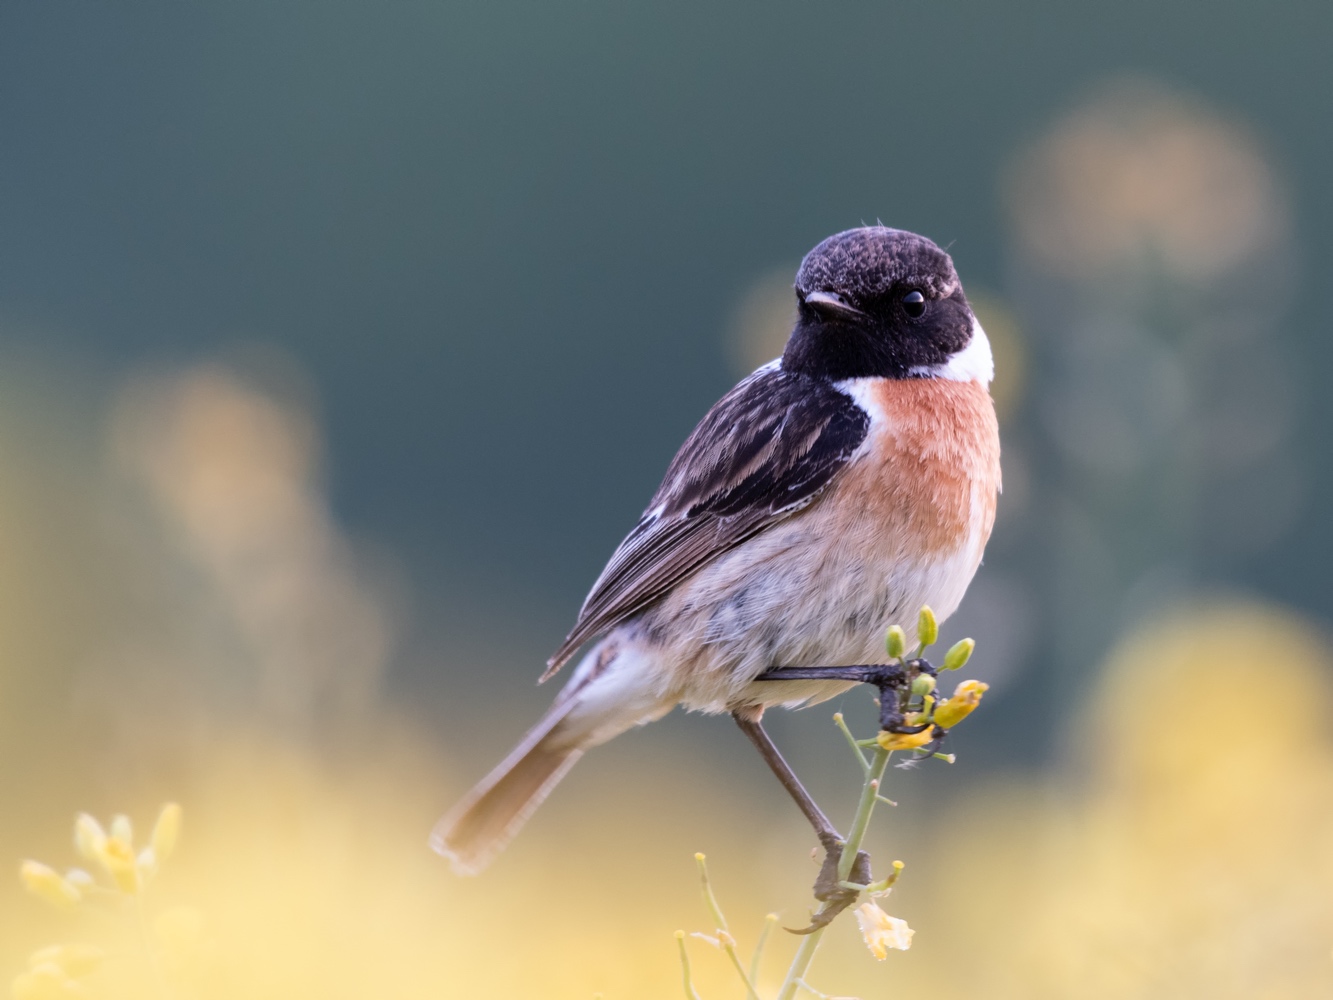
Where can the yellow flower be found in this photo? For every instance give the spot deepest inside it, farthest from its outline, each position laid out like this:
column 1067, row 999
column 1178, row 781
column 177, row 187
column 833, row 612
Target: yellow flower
column 48, row 884
column 882, row 932
column 121, row 827
column 74, row 960
column 904, row 741
column 966, row 697
column 118, row 859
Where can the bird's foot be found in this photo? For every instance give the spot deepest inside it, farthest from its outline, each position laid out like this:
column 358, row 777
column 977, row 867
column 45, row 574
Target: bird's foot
column 831, row 890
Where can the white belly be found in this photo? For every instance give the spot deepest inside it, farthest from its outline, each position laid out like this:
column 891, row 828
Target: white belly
column 804, row 593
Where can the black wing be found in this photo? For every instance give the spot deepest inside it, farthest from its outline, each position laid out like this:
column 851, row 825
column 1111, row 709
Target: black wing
column 765, row 450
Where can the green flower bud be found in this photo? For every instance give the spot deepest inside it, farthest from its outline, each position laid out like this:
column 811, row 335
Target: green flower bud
column 959, row 653
column 927, row 628
column 896, row 642
column 922, row 685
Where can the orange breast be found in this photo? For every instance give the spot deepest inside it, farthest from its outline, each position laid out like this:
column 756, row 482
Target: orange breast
column 932, row 472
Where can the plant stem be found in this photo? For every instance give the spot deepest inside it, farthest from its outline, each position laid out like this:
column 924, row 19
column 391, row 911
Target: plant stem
column 851, row 742
column 687, row 979
column 861, row 822
column 805, row 954
column 769, row 922
column 724, row 938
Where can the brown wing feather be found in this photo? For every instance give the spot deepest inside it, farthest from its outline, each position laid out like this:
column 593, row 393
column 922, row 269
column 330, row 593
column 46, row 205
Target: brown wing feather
column 765, row 450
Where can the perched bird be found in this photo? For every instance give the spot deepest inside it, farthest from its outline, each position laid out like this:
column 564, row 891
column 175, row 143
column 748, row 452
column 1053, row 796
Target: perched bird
column 827, row 496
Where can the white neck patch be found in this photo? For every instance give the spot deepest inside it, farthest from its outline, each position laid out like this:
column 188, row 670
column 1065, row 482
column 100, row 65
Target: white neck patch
column 973, row 363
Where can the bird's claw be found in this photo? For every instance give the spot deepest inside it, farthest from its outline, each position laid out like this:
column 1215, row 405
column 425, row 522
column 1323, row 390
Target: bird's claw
column 830, row 891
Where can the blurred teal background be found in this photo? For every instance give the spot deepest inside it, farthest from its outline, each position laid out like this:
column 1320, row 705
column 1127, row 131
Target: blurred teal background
column 340, row 343
column 501, row 248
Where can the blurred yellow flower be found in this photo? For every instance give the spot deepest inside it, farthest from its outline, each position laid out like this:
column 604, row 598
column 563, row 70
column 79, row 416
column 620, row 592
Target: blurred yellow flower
column 966, row 697
column 882, row 932
column 117, row 857
column 74, row 960
column 48, row 884
column 122, row 828
column 89, row 837
column 166, row 831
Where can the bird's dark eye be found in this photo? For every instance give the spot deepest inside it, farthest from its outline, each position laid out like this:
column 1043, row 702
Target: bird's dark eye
column 914, row 304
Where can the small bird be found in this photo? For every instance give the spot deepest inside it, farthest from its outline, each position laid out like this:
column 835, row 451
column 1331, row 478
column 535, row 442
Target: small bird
column 828, row 495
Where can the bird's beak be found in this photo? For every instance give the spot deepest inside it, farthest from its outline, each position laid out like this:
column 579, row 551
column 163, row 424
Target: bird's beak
column 831, row 305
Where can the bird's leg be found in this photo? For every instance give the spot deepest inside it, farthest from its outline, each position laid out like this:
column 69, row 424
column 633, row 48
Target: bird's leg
column 894, row 683
column 828, row 835
column 827, row 889
column 890, row 678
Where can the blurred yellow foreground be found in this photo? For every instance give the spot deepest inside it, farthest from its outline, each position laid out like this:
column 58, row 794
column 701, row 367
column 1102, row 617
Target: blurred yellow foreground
column 180, row 619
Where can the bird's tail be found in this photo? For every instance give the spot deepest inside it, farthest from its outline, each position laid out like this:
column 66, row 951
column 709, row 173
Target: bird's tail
column 613, row 689
column 479, row 827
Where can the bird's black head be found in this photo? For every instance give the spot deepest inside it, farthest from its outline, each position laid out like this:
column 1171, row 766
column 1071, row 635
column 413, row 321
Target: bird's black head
column 880, row 301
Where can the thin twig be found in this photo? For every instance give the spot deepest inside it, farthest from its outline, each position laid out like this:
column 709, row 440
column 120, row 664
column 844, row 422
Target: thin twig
column 724, row 938
column 851, row 742
column 770, row 922
column 810, row 943
column 687, row 979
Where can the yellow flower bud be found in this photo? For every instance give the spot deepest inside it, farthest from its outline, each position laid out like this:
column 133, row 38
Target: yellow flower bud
column 73, row 959
column 882, row 932
column 166, row 831
column 48, row 884
column 896, row 642
column 966, row 697
column 904, row 741
column 89, row 837
column 927, row 628
column 959, row 653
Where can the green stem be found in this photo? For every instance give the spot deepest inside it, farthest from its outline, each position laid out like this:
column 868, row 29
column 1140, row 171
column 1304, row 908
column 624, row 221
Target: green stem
column 687, row 979
column 864, row 808
column 805, row 954
column 723, row 935
column 769, row 922
column 851, row 742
